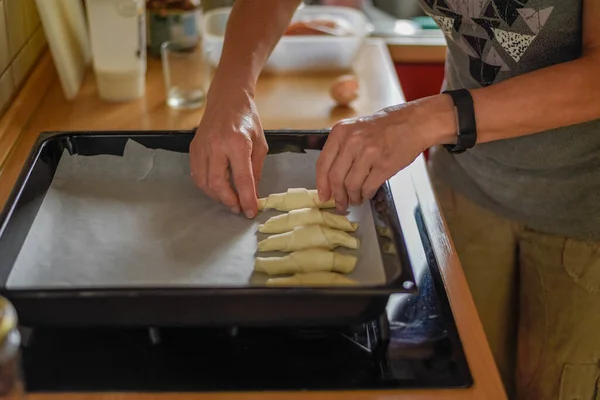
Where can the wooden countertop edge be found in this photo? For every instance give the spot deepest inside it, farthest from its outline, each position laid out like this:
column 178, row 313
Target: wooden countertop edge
column 456, row 287
column 415, row 53
column 479, row 356
column 376, row 394
column 15, row 119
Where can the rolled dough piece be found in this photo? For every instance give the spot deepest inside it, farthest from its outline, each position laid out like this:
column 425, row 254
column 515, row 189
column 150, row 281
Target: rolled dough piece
column 385, row 231
column 311, row 260
column 307, row 216
column 312, row 279
column 389, row 248
column 293, row 199
column 308, row 237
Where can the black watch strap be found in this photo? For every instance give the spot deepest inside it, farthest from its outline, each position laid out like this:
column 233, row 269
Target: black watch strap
column 465, row 117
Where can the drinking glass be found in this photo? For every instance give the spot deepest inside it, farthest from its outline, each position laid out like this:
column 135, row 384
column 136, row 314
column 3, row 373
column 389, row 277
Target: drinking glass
column 186, row 74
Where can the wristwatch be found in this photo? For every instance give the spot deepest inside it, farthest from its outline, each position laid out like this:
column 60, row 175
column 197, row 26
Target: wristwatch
column 465, row 118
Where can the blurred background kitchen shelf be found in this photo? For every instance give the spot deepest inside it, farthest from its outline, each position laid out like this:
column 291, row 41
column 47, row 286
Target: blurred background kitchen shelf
column 22, row 41
column 417, row 46
column 416, row 43
column 404, row 26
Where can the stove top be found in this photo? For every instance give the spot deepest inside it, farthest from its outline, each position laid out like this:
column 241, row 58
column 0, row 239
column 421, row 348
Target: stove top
column 414, row 345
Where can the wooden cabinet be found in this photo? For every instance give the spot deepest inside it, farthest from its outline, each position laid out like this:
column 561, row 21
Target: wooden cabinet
column 420, row 80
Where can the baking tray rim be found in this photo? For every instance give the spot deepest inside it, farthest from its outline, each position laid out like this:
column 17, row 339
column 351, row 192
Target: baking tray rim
column 401, row 282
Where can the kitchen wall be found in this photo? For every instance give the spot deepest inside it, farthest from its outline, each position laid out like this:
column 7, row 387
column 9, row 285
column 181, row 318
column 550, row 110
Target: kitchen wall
column 22, row 40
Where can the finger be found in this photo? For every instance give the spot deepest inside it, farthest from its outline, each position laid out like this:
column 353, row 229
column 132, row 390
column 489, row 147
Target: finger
column 196, row 166
column 218, row 180
column 202, row 177
column 199, row 169
column 259, row 152
column 241, row 169
column 372, row 184
column 237, row 208
column 337, row 177
column 324, row 163
column 355, row 180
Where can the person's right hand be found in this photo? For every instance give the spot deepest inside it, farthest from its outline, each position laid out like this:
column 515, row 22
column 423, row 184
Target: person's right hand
column 229, row 143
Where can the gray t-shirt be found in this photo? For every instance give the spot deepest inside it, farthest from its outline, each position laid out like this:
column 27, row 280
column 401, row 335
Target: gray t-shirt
column 549, row 181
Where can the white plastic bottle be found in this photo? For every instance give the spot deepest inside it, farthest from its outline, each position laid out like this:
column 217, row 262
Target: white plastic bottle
column 118, row 41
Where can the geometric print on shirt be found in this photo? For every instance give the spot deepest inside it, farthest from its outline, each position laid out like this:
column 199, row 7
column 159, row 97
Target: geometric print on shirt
column 485, row 30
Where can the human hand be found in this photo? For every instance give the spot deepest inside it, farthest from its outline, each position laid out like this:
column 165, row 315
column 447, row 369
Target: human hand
column 362, row 153
column 229, row 143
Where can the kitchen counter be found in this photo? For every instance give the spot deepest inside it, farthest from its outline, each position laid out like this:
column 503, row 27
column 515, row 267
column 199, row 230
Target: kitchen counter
column 284, row 102
column 417, row 49
column 407, row 47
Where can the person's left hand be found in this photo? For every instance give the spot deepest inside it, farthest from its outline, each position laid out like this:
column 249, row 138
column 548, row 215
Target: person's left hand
column 362, row 153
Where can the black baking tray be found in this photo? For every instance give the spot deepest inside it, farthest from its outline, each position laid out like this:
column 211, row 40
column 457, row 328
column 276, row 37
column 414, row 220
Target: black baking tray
column 168, row 306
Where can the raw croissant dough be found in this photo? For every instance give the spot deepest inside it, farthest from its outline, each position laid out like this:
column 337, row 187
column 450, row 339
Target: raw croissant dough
column 385, row 231
column 313, row 279
column 311, row 260
column 307, row 216
column 308, row 237
column 389, row 248
column 293, row 199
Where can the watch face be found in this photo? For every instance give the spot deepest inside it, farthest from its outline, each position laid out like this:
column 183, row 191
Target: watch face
column 465, row 116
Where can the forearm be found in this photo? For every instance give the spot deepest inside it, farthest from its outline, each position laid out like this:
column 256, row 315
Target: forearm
column 253, row 30
column 553, row 97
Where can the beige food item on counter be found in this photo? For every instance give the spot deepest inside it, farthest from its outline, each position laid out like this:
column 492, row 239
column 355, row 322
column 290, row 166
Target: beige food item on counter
column 303, row 261
column 316, row 27
column 293, row 199
column 313, row 279
column 307, row 216
column 308, row 237
column 344, row 90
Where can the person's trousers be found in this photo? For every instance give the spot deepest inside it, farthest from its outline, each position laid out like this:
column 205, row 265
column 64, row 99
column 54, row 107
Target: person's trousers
column 538, row 298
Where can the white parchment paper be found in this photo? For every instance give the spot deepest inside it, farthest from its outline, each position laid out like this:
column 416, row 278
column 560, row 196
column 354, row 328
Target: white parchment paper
column 138, row 220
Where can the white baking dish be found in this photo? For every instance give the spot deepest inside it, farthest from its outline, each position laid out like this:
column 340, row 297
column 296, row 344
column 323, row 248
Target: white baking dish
column 297, row 53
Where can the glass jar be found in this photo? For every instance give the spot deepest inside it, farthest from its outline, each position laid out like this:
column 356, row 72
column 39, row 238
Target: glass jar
column 172, row 20
column 11, row 383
